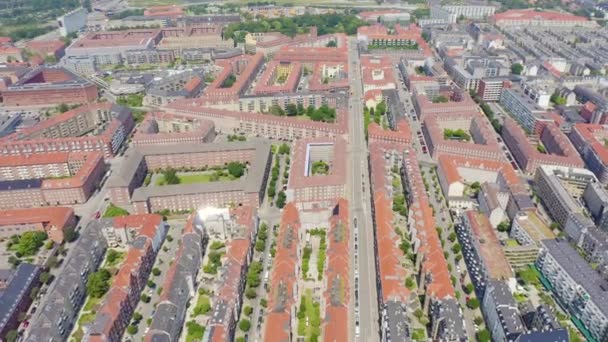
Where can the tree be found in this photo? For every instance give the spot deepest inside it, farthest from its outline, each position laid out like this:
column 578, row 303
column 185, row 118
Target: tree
column 281, row 198
column 558, row 100
column 236, row 169
column 70, row 234
column 473, row 303
column 244, row 325
column 452, row 237
column 504, row 226
column 468, row 289
column 331, row 43
column 46, row 277
column 170, row 176
column 250, row 293
column 62, row 108
column 113, row 256
column 517, row 69
column 484, row 336
column 29, row 243
column 156, row 271
column 132, row 329
column 97, row 283
column 478, row 320
column 248, row 310
column 137, row 317
column 12, row 336
column 284, row 149
column 291, row 109
column 145, row 298
column 456, row 248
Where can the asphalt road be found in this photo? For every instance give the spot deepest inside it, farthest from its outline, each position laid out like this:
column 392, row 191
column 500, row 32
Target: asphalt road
column 365, row 303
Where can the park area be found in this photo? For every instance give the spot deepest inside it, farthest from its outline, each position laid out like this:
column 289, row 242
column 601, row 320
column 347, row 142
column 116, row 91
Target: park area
column 170, row 176
column 309, row 318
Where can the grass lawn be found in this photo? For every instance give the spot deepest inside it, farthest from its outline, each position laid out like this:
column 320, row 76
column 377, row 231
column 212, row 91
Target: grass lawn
column 147, row 3
column 309, row 322
column 203, row 305
column 195, row 177
column 91, row 304
column 419, row 335
column 512, row 243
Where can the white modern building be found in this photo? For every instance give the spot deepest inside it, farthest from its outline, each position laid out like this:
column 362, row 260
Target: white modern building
column 72, row 21
column 579, row 287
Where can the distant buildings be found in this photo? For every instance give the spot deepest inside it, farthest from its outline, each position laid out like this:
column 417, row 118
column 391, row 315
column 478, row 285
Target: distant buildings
column 579, row 288
column 589, row 140
column 524, row 109
column 166, row 129
column 49, row 87
column 72, row 21
column 71, row 132
column 530, row 17
column 183, row 85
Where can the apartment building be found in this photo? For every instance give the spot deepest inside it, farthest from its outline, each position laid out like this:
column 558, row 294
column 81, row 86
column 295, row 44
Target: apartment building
column 52, row 220
column 57, row 179
column 114, row 314
column 15, row 295
column 126, row 188
column 531, row 116
column 48, row 87
column 165, row 129
column 501, row 313
column 553, row 147
column 55, row 319
column 490, row 89
column 484, row 144
column 110, row 47
column 70, row 132
column 483, row 252
column 432, row 273
column 531, row 17
column 589, row 141
column 184, row 85
column 267, row 126
column 284, row 286
column 580, row 288
column 312, row 191
column 557, row 187
column 179, row 286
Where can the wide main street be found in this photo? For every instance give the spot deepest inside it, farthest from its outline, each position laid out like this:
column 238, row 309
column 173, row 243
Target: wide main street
column 364, row 276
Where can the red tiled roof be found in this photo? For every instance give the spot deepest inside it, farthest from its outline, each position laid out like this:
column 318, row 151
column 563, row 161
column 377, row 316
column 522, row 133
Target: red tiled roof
column 338, row 275
column 489, row 246
column 337, row 173
column 284, row 276
column 449, row 166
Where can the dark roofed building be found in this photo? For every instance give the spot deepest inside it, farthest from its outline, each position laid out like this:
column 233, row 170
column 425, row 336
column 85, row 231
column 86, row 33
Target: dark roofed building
column 55, row 319
column 15, row 297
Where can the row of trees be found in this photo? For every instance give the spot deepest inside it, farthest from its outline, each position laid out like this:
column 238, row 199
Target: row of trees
column 325, row 24
column 323, row 113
